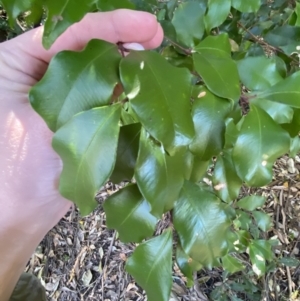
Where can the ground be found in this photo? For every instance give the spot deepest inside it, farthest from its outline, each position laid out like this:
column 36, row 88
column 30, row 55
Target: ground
column 80, row 259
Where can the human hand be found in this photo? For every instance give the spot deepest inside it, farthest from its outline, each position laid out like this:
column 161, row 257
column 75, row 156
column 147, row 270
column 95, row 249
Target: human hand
column 30, row 204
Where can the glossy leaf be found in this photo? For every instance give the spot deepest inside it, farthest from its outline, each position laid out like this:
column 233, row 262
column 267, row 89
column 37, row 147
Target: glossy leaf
column 213, row 63
column 15, row 7
column 261, row 141
column 127, row 152
column 259, row 252
column 231, row 133
column 201, row 224
column 108, row 5
column 285, row 92
column 281, row 113
column 295, row 147
column 248, row 6
column 35, row 15
column 258, row 73
column 232, row 264
column 240, row 240
column 189, row 30
column 188, row 162
column 226, row 182
column 88, row 78
column 293, row 125
column 297, row 11
column 61, row 15
column 159, row 95
column 129, row 213
column 87, row 160
column 217, row 13
column 199, row 169
column 209, row 114
column 285, row 37
column 251, row 202
column 187, row 265
column 262, row 220
column 158, row 175
column 244, row 220
column 151, row 266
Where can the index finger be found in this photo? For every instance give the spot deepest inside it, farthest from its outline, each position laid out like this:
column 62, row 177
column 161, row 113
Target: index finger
column 116, row 26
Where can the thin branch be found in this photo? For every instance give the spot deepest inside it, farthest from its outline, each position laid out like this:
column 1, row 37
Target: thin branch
column 185, row 50
column 262, row 42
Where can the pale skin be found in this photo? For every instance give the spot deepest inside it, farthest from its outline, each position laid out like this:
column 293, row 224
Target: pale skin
column 30, row 204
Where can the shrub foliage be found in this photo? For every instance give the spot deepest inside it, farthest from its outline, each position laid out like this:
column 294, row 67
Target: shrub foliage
column 186, row 125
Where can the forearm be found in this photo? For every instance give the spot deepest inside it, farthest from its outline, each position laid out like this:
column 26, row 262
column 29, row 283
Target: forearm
column 20, row 234
column 16, row 247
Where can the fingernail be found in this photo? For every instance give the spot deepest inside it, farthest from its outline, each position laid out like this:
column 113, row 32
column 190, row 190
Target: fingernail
column 133, row 46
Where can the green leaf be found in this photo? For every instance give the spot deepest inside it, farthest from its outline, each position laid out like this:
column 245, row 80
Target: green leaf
column 244, row 219
column 251, row 202
column 285, row 37
column 289, row 261
column 209, row 114
column 35, row 15
column 259, row 252
column 107, row 5
column 189, row 30
column 240, row 240
column 217, row 13
column 199, row 169
column 281, row 113
column 76, row 82
column 231, row 133
column 262, row 220
column 259, row 73
column 249, row 6
column 61, row 15
column 15, row 7
column 187, row 265
column 201, row 224
column 293, row 125
column 127, row 152
column 213, row 63
column 158, row 175
column 87, row 161
column 151, row 266
column 295, row 147
column 159, row 94
column 297, row 11
column 177, row 59
column 225, row 180
column 232, row 264
column 188, row 162
column 28, row 287
column 129, row 213
column 286, row 91
column 260, row 142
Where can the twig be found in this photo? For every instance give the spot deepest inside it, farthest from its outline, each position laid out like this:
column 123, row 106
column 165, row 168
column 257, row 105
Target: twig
column 197, row 288
column 275, row 287
column 264, row 43
column 72, row 274
column 288, row 272
column 106, row 261
column 185, row 50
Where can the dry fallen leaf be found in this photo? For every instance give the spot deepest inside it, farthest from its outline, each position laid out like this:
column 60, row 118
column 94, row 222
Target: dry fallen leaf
column 87, row 277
